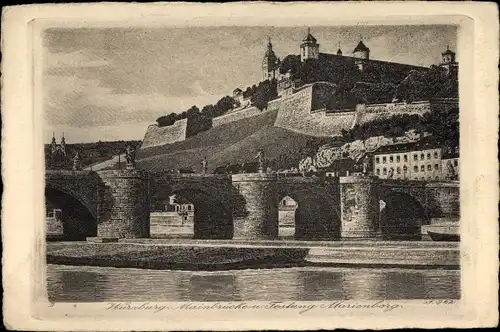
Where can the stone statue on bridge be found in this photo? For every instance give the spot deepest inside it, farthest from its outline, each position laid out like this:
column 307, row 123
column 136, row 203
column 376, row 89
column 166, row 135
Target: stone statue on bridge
column 130, row 157
column 390, row 175
column 366, row 164
column 260, row 158
column 204, row 165
column 77, row 166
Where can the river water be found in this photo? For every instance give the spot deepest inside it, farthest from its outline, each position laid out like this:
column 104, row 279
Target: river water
column 89, row 284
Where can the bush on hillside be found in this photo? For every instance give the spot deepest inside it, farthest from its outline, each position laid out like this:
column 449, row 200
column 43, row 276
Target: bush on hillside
column 442, row 125
column 265, row 91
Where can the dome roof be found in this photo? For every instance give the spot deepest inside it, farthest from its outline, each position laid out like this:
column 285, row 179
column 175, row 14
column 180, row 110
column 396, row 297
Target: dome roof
column 448, row 51
column 361, row 47
column 270, row 53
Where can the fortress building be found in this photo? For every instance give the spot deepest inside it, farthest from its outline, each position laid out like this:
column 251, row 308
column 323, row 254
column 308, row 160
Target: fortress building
column 309, row 49
column 357, row 66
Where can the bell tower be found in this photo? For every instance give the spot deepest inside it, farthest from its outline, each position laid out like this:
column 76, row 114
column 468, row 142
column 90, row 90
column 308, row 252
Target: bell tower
column 270, row 62
column 448, row 62
column 309, row 49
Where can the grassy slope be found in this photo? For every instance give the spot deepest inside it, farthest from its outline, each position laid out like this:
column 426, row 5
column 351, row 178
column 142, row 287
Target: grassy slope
column 234, row 143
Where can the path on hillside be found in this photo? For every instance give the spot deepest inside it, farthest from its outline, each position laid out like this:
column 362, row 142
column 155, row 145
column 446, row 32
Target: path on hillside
column 107, row 163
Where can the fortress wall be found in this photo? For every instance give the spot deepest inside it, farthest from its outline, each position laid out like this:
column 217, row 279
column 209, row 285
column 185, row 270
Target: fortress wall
column 373, row 112
column 165, row 135
column 295, row 114
column 235, row 116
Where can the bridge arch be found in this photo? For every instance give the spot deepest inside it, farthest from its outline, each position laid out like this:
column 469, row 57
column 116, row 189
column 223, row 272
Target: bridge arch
column 401, row 216
column 210, row 197
column 212, row 216
column 316, row 216
column 78, row 217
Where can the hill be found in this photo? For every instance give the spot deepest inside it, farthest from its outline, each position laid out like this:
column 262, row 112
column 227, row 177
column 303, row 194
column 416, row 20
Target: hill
column 90, row 153
column 233, row 143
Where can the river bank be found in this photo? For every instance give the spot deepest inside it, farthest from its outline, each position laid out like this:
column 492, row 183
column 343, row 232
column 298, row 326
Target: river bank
column 208, row 255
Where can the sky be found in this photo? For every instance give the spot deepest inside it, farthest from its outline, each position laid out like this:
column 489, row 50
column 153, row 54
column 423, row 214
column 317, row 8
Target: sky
column 111, row 83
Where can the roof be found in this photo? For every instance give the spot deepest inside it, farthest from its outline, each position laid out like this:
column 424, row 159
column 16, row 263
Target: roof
column 309, row 39
column 361, row 47
column 405, row 147
column 448, row 52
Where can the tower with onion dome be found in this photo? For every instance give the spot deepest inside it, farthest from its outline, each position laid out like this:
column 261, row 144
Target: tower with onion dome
column 270, row 63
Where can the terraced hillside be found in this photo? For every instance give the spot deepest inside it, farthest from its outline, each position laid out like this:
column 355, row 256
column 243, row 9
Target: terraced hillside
column 231, row 143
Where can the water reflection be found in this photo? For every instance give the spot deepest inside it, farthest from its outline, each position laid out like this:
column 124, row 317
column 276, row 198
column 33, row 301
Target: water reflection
column 86, row 284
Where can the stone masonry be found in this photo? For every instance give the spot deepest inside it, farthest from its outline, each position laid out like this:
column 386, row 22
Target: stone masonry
column 245, row 206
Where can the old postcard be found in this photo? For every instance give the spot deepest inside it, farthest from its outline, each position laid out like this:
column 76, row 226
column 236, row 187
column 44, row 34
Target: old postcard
column 250, row 166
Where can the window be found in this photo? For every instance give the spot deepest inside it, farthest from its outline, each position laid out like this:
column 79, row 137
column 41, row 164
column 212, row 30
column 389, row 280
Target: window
column 398, row 170
column 415, row 168
column 378, row 171
column 429, row 178
column 391, row 159
column 385, row 171
column 435, row 155
column 429, row 167
column 422, row 178
column 398, row 159
column 377, row 160
column 422, row 157
column 415, row 157
column 405, row 157
column 436, row 166
column 437, row 177
column 422, row 168
column 384, row 160
column 428, row 156
column 456, row 162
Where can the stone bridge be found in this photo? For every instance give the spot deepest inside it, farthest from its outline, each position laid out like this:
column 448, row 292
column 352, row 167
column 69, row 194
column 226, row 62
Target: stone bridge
column 116, row 204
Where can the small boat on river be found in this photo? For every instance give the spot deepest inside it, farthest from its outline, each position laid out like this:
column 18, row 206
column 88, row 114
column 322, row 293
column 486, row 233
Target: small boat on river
column 441, row 236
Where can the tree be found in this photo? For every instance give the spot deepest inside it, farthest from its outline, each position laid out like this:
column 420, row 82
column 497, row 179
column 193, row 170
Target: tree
column 266, row 91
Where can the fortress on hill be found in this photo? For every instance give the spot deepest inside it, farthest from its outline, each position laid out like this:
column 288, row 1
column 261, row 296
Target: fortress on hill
column 318, row 107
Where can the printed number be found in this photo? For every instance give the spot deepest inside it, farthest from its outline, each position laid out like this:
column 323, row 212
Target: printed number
column 439, row 302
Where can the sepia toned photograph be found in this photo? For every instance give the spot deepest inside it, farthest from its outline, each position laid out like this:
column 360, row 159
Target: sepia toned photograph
column 303, row 167
column 321, row 162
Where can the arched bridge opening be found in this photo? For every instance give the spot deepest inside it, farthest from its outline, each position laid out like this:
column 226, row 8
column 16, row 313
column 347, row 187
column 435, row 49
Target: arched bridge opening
column 315, row 215
column 212, row 218
column 67, row 217
column 401, row 217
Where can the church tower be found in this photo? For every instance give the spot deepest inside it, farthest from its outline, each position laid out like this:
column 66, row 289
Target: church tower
column 448, row 62
column 309, row 49
column 63, row 145
column 270, row 63
column 53, row 144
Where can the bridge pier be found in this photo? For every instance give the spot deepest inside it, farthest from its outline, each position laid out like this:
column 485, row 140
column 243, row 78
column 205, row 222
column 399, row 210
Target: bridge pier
column 260, row 219
column 360, row 207
column 124, row 211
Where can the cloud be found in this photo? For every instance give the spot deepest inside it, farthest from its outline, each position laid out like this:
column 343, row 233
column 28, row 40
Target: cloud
column 85, row 102
column 77, row 59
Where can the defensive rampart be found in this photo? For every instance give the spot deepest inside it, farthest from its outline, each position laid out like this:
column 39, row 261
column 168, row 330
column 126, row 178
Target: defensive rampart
column 303, row 113
column 165, row 135
column 235, row 116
